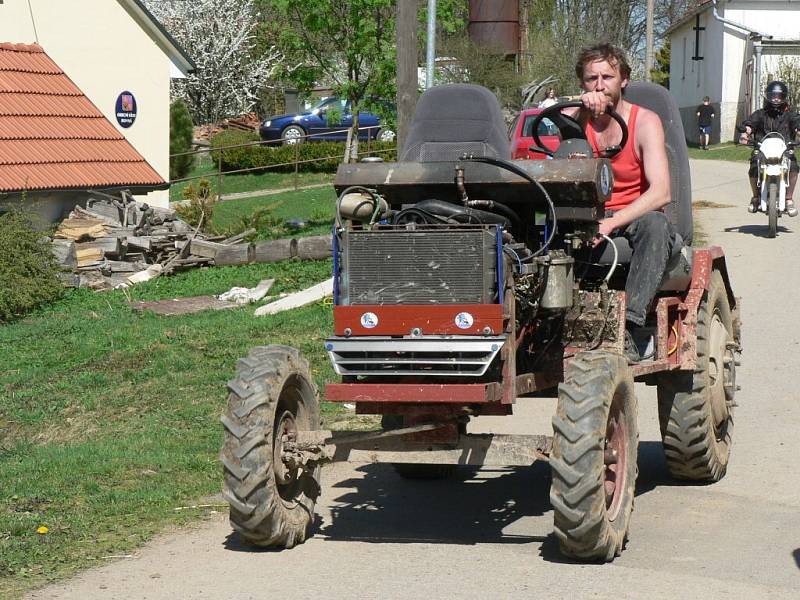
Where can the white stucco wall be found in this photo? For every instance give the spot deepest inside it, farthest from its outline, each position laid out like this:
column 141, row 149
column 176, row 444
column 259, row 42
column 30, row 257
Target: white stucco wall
column 780, row 18
column 727, row 52
column 689, row 80
column 104, row 51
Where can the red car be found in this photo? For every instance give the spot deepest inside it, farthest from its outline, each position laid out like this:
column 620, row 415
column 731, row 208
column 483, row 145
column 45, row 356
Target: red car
column 522, row 137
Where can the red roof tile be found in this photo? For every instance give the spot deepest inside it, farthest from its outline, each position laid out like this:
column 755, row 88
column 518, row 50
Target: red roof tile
column 53, row 137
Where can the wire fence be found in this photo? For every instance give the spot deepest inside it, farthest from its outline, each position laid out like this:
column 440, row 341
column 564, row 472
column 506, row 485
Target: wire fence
column 328, row 136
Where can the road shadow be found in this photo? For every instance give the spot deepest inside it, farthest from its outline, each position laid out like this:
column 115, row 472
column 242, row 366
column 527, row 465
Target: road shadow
column 476, row 506
column 755, row 230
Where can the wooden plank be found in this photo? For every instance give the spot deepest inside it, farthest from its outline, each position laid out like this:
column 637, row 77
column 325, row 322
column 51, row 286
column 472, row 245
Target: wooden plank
column 306, row 296
column 64, row 251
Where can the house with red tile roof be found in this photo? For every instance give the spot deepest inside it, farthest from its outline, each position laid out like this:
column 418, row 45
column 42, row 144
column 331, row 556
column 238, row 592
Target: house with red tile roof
column 54, row 143
column 87, row 96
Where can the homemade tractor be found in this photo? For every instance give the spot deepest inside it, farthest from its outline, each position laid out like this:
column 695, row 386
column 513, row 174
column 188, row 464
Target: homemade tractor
column 465, row 283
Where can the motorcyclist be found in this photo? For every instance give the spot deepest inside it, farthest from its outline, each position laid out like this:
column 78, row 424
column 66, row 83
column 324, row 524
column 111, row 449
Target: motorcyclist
column 776, row 116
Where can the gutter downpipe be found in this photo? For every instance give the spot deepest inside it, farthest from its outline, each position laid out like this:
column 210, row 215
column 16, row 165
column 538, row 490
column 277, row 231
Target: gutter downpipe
column 755, row 36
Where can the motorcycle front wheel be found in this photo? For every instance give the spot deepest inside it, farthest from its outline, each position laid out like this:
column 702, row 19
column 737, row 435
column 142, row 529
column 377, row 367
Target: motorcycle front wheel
column 772, row 209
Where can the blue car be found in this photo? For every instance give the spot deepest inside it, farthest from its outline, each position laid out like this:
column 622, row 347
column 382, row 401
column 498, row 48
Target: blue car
column 317, row 123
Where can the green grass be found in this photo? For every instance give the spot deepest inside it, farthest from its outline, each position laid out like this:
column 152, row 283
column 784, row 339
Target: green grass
column 315, row 206
column 109, row 419
column 246, row 182
column 727, row 151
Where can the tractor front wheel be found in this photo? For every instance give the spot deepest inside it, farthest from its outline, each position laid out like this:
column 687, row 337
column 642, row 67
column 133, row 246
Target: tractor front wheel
column 595, row 448
column 272, row 397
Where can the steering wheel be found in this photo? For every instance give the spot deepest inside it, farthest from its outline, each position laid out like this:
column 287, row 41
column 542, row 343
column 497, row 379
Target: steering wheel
column 559, row 120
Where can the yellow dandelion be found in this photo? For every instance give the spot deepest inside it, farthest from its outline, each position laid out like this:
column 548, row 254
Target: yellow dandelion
column 42, row 530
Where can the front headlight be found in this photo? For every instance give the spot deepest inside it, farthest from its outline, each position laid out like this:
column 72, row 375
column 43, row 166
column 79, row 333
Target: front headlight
column 267, row 123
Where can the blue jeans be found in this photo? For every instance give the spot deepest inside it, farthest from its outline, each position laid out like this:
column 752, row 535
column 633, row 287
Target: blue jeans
column 652, row 238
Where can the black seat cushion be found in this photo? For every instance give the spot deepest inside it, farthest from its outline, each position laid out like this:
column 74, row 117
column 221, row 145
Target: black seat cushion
column 660, row 101
column 451, row 120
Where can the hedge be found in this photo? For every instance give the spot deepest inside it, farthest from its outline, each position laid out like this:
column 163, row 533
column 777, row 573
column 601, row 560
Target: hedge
column 326, row 156
column 28, row 269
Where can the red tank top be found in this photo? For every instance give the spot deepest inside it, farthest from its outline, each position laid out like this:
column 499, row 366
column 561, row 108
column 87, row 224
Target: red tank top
column 628, row 168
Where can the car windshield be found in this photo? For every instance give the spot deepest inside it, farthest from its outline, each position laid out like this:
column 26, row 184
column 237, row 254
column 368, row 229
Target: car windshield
column 546, row 127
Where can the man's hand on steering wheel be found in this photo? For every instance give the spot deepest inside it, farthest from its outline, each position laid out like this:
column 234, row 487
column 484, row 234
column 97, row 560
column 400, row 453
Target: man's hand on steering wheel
column 596, row 102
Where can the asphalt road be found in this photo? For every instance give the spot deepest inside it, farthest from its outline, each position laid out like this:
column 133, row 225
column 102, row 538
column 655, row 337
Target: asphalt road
column 488, row 534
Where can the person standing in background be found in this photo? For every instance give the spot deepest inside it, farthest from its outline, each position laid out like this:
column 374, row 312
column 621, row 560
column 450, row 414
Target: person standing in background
column 705, row 116
column 549, row 99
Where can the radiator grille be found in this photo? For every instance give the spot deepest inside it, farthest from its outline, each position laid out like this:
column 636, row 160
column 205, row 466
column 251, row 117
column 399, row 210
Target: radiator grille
column 445, row 266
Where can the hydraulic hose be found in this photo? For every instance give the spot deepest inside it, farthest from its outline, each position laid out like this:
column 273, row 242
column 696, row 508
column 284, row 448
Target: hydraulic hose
column 504, row 164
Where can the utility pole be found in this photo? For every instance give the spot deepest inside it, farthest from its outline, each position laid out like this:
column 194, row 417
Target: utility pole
column 431, row 44
column 648, row 52
column 407, row 78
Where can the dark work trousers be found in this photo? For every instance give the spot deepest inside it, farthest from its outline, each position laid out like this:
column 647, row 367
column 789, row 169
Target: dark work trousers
column 652, row 238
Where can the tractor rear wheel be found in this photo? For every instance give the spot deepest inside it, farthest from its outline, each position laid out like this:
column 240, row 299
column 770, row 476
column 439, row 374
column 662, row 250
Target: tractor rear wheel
column 695, row 410
column 272, row 397
column 411, row 470
column 595, row 448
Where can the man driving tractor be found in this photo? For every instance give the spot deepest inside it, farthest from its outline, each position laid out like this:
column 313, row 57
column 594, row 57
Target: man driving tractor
column 641, row 177
column 776, row 116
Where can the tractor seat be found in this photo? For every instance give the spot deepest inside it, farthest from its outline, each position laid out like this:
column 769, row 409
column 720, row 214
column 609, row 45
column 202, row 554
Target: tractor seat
column 679, row 210
column 453, row 120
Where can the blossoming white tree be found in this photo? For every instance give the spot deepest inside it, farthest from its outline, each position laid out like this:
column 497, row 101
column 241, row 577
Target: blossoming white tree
column 219, row 35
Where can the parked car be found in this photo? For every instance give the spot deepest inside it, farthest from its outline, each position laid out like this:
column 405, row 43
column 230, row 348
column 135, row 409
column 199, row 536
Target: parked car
column 522, row 137
column 327, row 120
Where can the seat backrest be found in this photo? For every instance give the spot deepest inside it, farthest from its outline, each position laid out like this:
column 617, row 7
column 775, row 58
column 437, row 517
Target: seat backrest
column 451, row 120
column 660, row 101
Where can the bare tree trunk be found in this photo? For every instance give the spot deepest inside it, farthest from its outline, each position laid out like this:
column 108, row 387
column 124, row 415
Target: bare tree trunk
column 347, row 145
column 353, row 135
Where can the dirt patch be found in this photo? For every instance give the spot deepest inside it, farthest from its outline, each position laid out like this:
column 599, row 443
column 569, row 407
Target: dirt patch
column 700, row 204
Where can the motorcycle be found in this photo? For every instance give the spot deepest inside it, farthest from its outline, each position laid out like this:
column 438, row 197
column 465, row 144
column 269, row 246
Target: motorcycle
column 772, row 154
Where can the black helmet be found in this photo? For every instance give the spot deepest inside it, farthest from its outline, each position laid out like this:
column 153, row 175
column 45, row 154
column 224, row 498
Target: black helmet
column 776, row 95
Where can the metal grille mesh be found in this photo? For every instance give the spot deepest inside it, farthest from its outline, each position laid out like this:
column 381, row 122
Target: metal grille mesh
column 420, row 267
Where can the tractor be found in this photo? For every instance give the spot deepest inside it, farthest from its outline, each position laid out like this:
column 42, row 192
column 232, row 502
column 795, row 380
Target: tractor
column 465, row 283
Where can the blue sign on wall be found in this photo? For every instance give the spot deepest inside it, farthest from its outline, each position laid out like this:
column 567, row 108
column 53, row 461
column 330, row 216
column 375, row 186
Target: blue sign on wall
column 125, row 109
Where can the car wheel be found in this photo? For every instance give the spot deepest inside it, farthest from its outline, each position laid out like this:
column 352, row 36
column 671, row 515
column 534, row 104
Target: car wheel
column 385, row 135
column 293, row 134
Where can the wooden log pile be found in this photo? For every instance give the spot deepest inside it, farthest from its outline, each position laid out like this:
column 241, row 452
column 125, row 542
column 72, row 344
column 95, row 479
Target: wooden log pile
column 116, row 242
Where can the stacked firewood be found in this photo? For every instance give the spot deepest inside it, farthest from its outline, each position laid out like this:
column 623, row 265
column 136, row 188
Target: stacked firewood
column 116, row 242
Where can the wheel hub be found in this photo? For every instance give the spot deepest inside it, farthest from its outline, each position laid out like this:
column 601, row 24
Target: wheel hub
column 285, row 431
column 615, row 460
column 721, row 374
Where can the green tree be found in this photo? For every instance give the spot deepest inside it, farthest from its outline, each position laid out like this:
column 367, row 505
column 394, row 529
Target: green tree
column 350, row 43
column 180, row 139
column 660, row 72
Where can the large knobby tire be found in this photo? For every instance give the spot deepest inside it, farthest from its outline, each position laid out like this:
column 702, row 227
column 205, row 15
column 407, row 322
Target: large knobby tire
column 772, row 209
column 272, row 395
column 411, row 470
column 595, row 449
column 695, row 410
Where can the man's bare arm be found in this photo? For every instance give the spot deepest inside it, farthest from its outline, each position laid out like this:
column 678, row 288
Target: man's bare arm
column 652, row 150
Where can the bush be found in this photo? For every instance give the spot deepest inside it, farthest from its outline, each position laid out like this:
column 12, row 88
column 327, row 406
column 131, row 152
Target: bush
column 326, row 156
column 201, row 205
column 28, row 269
column 180, row 139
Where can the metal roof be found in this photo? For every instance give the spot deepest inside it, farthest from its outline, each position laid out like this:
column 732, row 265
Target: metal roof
column 52, row 136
